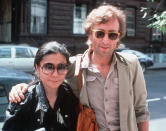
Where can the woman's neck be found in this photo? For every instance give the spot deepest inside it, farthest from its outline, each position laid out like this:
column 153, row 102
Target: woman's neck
column 51, row 94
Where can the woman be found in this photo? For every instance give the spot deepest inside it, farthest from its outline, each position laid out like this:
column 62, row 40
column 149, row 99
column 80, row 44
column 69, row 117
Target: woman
column 50, row 102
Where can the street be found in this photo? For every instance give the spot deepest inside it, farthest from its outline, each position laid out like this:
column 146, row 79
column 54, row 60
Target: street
column 156, row 88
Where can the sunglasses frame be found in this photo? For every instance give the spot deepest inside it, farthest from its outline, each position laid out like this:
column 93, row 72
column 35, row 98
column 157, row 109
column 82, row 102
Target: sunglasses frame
column 98, row 30
column 50, row 72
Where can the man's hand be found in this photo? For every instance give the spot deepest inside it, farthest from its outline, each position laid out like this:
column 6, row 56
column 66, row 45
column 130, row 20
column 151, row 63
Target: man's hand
column 143, row 126
column 17, row 92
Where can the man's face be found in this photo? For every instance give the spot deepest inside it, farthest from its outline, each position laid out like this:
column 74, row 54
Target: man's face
column 105, row 37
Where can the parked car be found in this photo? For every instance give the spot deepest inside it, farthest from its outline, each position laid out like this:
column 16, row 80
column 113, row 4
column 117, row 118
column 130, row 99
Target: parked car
column 17, row 57
column 145, row 61
column 8, row 78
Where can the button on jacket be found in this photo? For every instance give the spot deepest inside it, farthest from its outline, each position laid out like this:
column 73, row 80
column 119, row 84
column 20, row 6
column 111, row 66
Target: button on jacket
column 35, row 112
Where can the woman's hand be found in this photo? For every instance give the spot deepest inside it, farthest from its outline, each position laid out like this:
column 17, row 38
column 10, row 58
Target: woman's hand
column 17, row 92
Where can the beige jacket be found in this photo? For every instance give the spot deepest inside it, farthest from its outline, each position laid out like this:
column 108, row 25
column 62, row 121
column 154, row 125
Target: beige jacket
column 132, row 89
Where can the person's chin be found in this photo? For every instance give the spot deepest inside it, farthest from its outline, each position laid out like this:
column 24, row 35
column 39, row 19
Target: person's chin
column 54, row 85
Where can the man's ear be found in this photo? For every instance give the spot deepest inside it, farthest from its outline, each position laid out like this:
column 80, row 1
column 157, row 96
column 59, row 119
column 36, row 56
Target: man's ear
column 118, row 44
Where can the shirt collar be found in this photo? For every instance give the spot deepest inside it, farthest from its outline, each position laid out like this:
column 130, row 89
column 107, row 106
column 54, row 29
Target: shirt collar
column 86, row 59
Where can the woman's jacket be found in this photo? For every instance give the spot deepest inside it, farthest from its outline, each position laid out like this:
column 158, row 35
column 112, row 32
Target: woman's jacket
column 35, row 112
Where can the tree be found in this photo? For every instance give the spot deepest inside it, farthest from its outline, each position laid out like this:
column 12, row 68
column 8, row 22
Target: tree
column 158, row 19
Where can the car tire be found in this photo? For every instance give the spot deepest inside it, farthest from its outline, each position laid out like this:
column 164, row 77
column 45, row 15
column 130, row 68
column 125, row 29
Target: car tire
column 143, row 67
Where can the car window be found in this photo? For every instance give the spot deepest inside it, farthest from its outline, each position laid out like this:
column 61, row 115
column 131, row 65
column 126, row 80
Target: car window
column 23, row 53
column 5, row 52
column 34, row 51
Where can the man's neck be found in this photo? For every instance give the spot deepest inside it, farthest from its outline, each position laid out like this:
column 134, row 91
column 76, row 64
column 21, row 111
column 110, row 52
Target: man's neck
column 101, row 60
column 102, row 63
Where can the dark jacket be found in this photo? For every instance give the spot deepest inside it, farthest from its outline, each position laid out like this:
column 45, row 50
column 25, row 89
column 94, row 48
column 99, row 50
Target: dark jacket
column 35, row 112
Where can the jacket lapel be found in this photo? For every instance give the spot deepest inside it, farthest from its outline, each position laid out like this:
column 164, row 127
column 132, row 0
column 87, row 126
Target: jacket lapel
column 84, row 94
column 124, row 84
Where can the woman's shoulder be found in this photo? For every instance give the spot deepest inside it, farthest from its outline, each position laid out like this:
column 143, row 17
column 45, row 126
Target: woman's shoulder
column 65, row 88
column 68, row 98
column 67, row 91
column 24, row 104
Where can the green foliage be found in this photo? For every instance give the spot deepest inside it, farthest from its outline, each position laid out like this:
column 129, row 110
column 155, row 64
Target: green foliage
column 158, row 21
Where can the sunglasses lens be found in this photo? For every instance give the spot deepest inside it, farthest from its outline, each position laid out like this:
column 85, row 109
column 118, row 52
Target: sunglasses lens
column 62, row 68
column 113, row 36
column 99, row 34
column 48, row 68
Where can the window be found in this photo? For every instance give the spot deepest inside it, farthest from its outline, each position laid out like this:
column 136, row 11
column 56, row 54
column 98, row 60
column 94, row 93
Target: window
column 156, row 35
column 5, row 53
column 22, row 53
column 80, row 12
column 130, row 21
column 38, row 16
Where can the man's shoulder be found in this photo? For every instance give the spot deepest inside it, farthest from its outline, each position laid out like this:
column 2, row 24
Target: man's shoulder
column 72, row 59
column 78, row 56
column 129, row 60
column 126, row 57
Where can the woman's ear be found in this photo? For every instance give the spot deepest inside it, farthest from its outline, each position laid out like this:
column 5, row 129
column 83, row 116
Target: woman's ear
column 37, row 68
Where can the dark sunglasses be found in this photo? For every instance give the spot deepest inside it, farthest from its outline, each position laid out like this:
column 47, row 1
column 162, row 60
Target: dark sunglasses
column 111, row 35
column 49, row 68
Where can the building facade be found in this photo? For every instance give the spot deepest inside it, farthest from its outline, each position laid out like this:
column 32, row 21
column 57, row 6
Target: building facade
column 38, row 21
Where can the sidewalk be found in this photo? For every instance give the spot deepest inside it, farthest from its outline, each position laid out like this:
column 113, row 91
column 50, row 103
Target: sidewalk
column 1, row 124
column 159, row 60
column 157, row 66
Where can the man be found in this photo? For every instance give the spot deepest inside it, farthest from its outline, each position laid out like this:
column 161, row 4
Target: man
column 112, row 83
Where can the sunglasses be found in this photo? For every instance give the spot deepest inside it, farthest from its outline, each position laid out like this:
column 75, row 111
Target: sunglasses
column 111, row 35
column 49, row 68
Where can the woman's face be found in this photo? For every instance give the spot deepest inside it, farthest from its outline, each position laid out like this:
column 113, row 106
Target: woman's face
column 52, row 70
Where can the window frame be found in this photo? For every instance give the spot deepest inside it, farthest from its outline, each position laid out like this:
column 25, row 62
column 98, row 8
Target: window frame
column 46, row 17
column 156, row 33
column 133, row 15
column 79, row 31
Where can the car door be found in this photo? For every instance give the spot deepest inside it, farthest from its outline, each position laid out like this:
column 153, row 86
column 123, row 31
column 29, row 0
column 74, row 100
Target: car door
column 3, row 102
column 6, row 57
column 24, row 59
